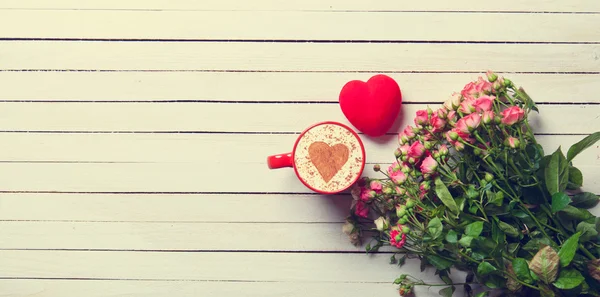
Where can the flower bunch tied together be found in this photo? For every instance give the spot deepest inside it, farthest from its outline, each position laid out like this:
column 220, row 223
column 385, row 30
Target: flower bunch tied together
column 471, row 189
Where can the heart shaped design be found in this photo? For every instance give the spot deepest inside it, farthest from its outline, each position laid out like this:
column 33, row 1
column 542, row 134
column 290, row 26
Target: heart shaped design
column 371, row 107
column 328, row 159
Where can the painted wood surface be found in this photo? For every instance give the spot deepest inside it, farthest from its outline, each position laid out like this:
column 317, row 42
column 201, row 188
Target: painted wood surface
column 135, row 133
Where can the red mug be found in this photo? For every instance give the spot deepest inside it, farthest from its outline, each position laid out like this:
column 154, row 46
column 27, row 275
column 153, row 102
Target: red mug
column 327, row 157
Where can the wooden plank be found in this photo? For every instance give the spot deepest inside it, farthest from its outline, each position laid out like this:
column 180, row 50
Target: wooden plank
column 186, row 148
column 95, row 288
column 234, row 56
column 258, row 25
column 239, row 266
column 259, row 86
column 176, row 236
column 225, row 117
column 328, row 5
column 213, row 177
column 180, row 208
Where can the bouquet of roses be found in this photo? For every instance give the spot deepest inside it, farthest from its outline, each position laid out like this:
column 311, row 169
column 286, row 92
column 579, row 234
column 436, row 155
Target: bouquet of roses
column 471, row 189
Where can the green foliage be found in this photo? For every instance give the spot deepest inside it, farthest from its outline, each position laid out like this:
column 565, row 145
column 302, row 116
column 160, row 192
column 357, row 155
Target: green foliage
column 560, row 200
column 568, row 279
column 583, row 144
column 568, row 249
column 585, row 200
column 557, row 173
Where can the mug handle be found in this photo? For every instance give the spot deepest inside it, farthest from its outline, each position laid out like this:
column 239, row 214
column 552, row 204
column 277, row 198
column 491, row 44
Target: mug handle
column 280, row 161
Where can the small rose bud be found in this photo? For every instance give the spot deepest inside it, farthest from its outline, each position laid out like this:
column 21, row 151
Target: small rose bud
column 507, row 82
column 402, row 221
column 428, row 145
column 429, row 110
column 400, row 210
column 512, row 142
column 491, row 76
column 497, row 120
column 416, row 130
column 382, row 224
column 397, row 153
column 400, row 191
column 405, row 229
column 388, row 191
column 405, row 169
column 477, row 152
column 376, row 168
column 436, row 155
column 489, row 177
column 453, row 135
column 410, row 203
column 443, row 149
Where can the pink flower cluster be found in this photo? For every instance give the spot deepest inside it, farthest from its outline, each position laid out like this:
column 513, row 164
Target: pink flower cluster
column 397, row 237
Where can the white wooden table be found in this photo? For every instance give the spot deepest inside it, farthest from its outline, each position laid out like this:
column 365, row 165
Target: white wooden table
column 134, row 134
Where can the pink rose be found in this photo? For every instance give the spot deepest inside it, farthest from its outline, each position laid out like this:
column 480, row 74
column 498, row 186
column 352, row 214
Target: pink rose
column 398, row 177
column 512, row 142
column 469, row 91
column 397, row 237
column 443, row 150
column 466, row 107
column 442, row 113
column 429, row 165
column 422, row 117
column 472, row 121
column 362, row 209
column 451, row 116
column 461, row 125
column 404, row 149
column 366, row 194
column 483, row 86
column 453, row 102
column 416, row 150
column 483, row 103
column 512, row 115
column 488, row 117
column 437, row 123
column 376, row 186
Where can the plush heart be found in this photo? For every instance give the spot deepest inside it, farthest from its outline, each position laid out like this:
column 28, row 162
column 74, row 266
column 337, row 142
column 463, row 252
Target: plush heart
column 328, row 159
column 371, row 107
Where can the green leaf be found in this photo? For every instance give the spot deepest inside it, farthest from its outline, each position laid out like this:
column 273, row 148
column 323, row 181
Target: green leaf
column 447, row 292
column 438, row 262
column 556, row 174
column 545, row 264
column 575, row 213
column 521, row 269
column 442, row 192
column 575, row 177
column 485, row 268
column 568, row 279
column 435, row 227
column 465, row 241
column 508, row 229
column 588, row 231
column 483, row 294
column 585, row 200
column 474, row 229
column 560, row 200
column 583, row 144
column 568, row 249
column 452, row 237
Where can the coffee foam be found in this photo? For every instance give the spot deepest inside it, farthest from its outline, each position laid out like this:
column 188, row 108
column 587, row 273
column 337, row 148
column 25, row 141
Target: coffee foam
column 331, row 135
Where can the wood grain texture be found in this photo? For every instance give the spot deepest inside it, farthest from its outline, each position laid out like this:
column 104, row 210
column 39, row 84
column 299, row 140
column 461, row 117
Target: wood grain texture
column 209, row 266
column 99, row 288
column 228, row 149
column 222, row 117
column 175, row 208
column 267, row 86
column 241, row 56
column 328, row 5
column 269, row 25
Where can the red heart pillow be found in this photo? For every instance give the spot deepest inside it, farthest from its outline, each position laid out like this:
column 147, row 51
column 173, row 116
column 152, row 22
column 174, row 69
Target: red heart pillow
column 371, row 107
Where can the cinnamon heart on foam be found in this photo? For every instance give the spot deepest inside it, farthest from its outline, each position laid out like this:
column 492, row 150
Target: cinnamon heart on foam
column 372, row 106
